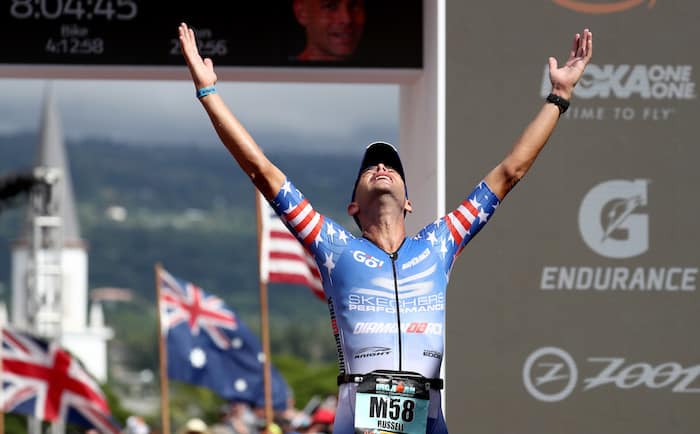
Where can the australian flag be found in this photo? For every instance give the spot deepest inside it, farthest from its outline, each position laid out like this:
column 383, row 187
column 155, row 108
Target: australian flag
column 42, row 380
column 209, row 346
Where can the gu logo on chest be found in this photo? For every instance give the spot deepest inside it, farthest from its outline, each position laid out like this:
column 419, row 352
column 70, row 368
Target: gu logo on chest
column 367, row 259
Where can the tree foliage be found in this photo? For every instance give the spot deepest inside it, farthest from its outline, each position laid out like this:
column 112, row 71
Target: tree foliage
column 193, row 211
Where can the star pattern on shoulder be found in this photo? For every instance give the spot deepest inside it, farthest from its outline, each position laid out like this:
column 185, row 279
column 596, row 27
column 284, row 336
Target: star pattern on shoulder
column 287, row 187
column 318, row 239
column 443, row 247
column 329, row 264
column 330, row 231
column 343, row 236
column 432, row 238
column 483, row 216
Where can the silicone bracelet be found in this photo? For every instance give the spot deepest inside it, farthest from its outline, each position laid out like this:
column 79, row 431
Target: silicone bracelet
column 201, row 93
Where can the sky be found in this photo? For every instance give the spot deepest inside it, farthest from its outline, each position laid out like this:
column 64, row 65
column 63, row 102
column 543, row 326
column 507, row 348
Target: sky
column 325, row 116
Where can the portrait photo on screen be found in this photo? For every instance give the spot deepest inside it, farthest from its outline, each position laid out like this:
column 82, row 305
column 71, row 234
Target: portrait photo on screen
column 367, row 33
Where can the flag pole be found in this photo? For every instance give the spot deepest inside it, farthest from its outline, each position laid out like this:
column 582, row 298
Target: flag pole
column 264, row 329
column 163, row 361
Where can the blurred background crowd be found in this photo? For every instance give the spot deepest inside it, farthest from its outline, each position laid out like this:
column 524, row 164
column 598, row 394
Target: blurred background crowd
column 241, row 418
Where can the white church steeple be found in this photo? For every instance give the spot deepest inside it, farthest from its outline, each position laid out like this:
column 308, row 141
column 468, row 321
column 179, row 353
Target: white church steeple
column 50, row 260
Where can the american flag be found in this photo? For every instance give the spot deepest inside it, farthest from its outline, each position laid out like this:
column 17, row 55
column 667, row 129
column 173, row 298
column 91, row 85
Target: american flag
column 208, row 345
column 283, row 258
column 42, row 380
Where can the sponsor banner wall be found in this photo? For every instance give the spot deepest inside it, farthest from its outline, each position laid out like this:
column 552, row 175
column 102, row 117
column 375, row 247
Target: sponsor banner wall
column 576, row 308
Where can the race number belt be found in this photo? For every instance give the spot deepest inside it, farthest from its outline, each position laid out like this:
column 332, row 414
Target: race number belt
column 392, row 402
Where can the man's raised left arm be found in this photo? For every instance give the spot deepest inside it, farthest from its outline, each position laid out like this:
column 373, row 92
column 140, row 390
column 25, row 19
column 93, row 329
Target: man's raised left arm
column 516, row 164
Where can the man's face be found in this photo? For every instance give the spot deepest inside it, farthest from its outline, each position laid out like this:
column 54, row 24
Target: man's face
column 380, row 179
column 373, row 182
column 333, row 27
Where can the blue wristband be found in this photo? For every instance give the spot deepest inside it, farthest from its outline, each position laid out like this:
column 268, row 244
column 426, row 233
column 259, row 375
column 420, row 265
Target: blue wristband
column 201, row 93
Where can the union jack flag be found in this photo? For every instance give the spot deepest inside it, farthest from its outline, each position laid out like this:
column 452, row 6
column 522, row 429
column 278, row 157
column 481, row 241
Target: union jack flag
column 184, row 302
column 42, row 380
column 207, row 345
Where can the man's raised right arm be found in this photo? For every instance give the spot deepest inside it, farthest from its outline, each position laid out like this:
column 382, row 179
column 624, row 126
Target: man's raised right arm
column 266, row 177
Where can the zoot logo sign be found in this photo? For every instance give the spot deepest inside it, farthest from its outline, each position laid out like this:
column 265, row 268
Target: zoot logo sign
column 550, row 374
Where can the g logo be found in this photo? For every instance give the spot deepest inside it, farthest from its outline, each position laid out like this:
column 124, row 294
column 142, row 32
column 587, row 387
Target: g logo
column 554, row 364
column 608, row 222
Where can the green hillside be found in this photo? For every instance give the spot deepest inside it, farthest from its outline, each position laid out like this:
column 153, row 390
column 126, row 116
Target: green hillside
column 192, row 210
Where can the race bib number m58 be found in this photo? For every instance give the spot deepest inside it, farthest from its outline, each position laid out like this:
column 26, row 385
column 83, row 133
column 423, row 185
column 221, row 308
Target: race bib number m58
column 391, row 404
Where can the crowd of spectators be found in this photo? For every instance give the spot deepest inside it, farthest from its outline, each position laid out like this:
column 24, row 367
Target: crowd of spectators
column 240, row 418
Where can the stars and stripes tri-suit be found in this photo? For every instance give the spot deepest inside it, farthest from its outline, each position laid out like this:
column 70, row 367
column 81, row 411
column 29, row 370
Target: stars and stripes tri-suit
column 387, row 308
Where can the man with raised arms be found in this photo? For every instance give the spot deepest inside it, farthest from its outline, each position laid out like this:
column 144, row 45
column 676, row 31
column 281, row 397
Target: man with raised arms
column 385, row 289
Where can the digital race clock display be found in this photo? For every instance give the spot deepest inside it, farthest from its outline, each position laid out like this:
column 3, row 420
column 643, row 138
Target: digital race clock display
column 123, row 10
column 237, row 33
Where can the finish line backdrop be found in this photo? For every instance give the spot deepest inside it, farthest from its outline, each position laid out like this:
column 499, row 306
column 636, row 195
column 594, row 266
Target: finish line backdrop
column 576, row 309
